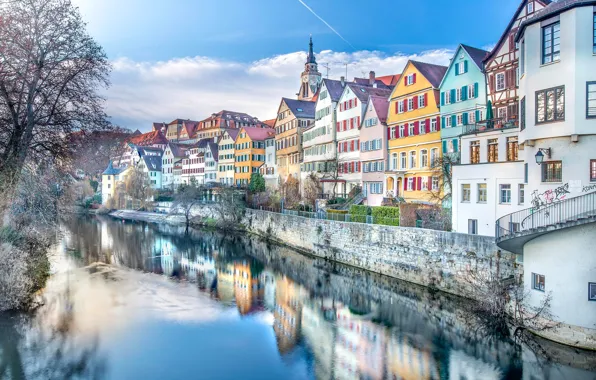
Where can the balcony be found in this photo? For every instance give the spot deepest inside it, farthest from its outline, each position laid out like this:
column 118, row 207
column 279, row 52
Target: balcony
column 491, row 125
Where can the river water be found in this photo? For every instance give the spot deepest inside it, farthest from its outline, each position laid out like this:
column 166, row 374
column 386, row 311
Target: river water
column 131, row 300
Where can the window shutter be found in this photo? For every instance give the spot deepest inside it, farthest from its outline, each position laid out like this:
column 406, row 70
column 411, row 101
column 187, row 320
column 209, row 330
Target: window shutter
column 388, row 133
column 476, row 90
column 345, row 125
column 416, row 127
column 352, row 123
column 465, row 118
column 464, row 93
column 358, row 164
column 443, row 122
column 352, row 146
column 444, row 146
column 427, row 126
column 358, row 120
column 442, row 98
column 415, row 102
column 453, row 121
column 357, row 143
column 477, row 115
column 457, row 69
column 425, row 99
column 355, row 102
column 429, row 183
column 406, row 130
column 396, row 106
column 337, row 126
column 341, row 108
column 466, row 66
column 491, row 84
column 419, row 187
column 414, row 78
column 405, row 184
column 345, row 146
column 452, row 98
column 439, row 123
column 455, row 141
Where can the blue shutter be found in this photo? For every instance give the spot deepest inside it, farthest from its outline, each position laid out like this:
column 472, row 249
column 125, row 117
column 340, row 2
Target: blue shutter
column 477, row 115
column 476, row 89
column 442, row 98
column 466, row 66
column 453, row 121
column 453, row 98
column 456, row 69
column 444, row 146
column 443, row 122
column 465, row 118
column 464, row 93
column 455, row 141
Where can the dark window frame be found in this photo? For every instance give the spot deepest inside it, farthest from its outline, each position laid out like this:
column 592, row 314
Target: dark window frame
column 545, row 91
column 544, row 170
column 536, row 286
column 522, row 113
column 593, row 170
column 594, row 34
column 590, row 284
column 543, row 43
column 588, row 116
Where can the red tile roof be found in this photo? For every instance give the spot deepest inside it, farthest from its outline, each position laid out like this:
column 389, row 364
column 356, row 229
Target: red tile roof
column 258, row 134
column 270, row 122
column 390, row 80
column 149, row 138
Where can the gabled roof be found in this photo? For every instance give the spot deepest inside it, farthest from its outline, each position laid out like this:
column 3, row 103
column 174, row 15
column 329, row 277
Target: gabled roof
column 390, row 80
column 363, row 92
column 301, row 108
column 153, row 163
column 334, row 88
column 232, row 132
column 476, row 54
column 550, row 10
column 158, row 126
column 202, row 144
column 270, row 122
column 150, row 138
column 258, row 134
column 214, row 148
column 190, row 127
column 381, row 104
column 433, row 73
column 508, row 28
column 111, row 170
column 178, row 150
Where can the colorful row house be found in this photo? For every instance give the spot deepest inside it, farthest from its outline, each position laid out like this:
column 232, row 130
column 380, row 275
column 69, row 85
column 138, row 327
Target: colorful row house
column 249, row 153
column 414, row 134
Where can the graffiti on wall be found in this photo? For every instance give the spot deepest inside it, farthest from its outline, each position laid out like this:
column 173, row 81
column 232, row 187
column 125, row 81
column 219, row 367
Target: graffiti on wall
column 550, row 196
column 587, row 189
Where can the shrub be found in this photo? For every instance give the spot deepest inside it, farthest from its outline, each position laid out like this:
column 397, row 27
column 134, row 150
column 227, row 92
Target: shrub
column 336, row 201
column 388, row 216
column 331, row 211
column 359, row 213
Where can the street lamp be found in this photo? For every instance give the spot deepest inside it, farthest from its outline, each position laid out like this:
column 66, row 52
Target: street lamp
column 540, row 155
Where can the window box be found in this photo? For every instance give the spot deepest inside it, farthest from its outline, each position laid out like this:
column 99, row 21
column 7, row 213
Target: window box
column 591, row 94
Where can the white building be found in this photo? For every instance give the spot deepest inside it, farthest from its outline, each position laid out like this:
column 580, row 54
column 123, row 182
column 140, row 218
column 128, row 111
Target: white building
column 211, row 157
column 319, row 140
column 489, row 182
column 194, row 167
column 172, row 155
column 269, row 168
column 226, row 149
column 557, row 91
column 151, row 164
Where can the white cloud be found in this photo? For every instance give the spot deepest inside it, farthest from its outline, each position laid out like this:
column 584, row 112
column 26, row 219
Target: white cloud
column 195, row 87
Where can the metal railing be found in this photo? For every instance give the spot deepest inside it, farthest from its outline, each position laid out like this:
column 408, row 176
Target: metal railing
column 496, row 124
column 547, row 212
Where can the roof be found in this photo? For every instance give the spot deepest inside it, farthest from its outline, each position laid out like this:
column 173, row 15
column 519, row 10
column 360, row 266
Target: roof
column 381, row 104
column 476, row 54
column 363, row 92
column 214, row 148
column 551, row 10
column 231, row 117
column 178, row 150
column 158, row 126
column 301, row 108
column 111, row 170
column 153, row 163
column 150, row 138
column 233, row 133
column 270, row 122
column 497, row 46
column 190, row 127
column 259, row 134
column 334, row 88
column 390, row 80
column 433, row 73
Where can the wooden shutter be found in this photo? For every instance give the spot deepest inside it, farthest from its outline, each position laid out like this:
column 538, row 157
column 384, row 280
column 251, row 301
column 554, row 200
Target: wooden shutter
column 439, row 123
column 425, row 100
column 476, row 90
column 415, row 102
column 429, row 184
column 358, row 122
column 457, row 68
column 442, row 98
column 416, row 127
column 396, row 107
column 419, row 179
column 357, row 143
column 406, row 131
column 466, row 66
column 405, row 184
column 414, row 78
column 337, row 125
column 355, row 102
column 491, row 83
column 427, row 126
column 388, row 133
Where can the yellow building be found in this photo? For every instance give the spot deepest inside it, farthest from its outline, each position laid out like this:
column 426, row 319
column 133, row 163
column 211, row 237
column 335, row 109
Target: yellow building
column 112, row 179
column 249, row 152
column 414, row 133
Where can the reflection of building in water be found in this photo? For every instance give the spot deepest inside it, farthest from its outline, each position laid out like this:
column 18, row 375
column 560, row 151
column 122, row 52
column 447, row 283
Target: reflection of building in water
column 247, row 288
column 319, row 330
column 406, row 361
column 268, row 283
column 225, row 282
column 287, row 314
column 463, row 366
column 201, row 267
column 360, row 346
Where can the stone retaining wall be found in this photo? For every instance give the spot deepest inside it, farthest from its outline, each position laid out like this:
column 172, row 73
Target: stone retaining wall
column 430, row 258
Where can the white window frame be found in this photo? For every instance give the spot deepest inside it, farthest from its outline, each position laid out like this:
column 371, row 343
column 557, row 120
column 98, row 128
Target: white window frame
column 411, row 183
column 460, row 119
column 410, row 104
column 502, row 188
column 462, row 67
column 435, row 183
column 434, row 153
column 530, row 7
column 403, row 160
column 433, row 125
column 502, row 112
column 400, row 107
column 422, row 127
column 458, row 95
column 470, row 91
column 447, row 97
column 423, row 158
column 421, row 101
column 394, row 161
column 502, row 76
column 464, row 192
column 424, row 183
column 472, row 117
column 412, row 159
column 448, row 121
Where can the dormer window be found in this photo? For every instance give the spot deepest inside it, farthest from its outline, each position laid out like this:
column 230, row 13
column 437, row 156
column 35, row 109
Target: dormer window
column 530, row 7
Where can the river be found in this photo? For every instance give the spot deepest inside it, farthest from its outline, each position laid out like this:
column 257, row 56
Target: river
column 132, row 300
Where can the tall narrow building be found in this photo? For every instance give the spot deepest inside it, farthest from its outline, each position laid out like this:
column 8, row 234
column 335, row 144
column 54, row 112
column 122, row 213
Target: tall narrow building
column 311, row 77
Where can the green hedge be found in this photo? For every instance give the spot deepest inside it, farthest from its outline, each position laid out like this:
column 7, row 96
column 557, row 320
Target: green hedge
column 331, row 211
column 359, row 213
column 388, row 216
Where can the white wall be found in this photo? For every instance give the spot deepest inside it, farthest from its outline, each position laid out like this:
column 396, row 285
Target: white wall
column 566, row 259
column 493, row 174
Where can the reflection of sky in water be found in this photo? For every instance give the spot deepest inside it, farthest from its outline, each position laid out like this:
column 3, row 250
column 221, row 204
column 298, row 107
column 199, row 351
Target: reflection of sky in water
column 220, row 314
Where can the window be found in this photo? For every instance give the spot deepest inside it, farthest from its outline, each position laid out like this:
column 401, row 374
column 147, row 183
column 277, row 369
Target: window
column 394, row 161
column 448, row 122
column 530, row 7
column 512, row 148
column 551, row 43
column 447, row 97
column 433, row 122
column 409, row 79
column 424, row 183
column 522, row 113
column 462, row 68
column 505, row 194
column 423, row 158
column 465, row 192
column 502, row 113
column 434, row 154
column 550, row 105
column 411, row 129
column 537, row 282
column 594, row 29
column 411, row 183
column 521, row 194
column 591, row 91
column 421, row 101
column 458, row 95
column 493, row 150
column 435, row 184
column 400, row 107
column 500, row 81
column 481, row 193
column 471, row 92
column 592, row 170
column 460, row 119
column 422, row 127
column 410, row 104
column 552, row 171
column 412, row 159
column 522, row 58
column 403, row 160
column 402, row 130
column 592, row 289
column 473, row 226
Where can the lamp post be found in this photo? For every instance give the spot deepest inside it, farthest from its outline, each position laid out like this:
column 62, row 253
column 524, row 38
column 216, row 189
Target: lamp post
column 540, row 155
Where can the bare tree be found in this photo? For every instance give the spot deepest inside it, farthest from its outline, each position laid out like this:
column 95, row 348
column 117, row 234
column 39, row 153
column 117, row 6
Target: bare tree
column 184, row 200
column 442, row 170
column 230, row 206
column 92, row 151
column 138, row 186
column 290, row 191
column 312, row 189
column 50, row 73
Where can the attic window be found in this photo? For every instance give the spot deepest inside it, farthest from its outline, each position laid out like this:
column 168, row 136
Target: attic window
column 363, row 90
column 530, row 7
column 299, row 109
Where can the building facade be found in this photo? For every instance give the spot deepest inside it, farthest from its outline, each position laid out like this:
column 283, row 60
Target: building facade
column 193, row 167
column 249, row 153
column 172, row 155
column 269, row 169
column 226, row 152
column 310, row 77
column 211, row 162
column 414, row 134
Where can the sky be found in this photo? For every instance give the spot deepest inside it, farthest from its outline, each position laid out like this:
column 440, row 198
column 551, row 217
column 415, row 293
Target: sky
column 190, row 58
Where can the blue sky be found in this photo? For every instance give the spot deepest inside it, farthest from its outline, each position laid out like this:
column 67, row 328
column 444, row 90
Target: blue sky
column 178, row 37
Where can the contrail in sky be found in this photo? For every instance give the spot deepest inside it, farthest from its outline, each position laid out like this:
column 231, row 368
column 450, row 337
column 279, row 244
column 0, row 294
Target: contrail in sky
column 326, row 23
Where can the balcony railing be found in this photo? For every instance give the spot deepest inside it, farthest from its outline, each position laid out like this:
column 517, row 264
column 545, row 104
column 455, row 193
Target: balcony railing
column 496, row 124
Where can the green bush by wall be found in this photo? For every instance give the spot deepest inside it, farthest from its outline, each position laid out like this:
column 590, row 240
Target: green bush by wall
column 388, row 216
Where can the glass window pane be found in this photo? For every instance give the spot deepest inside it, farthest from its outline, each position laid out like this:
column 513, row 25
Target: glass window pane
column 560, row 104
column 550, row 105
column 540, row 107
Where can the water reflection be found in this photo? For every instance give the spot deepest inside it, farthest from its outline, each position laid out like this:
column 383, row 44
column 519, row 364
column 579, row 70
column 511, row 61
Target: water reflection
column 238, row 307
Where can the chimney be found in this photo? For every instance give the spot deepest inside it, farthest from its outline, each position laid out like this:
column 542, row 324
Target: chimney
column 343, row 81
column 371, row 78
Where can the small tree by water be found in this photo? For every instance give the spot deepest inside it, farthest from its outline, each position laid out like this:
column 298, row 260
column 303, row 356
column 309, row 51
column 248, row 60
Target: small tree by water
column 184, row 200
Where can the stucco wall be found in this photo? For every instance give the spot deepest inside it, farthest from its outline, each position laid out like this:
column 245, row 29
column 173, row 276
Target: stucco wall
column 426, row 257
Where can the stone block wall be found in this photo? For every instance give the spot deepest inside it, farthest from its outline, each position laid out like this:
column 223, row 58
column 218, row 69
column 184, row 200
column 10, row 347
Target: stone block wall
column 430, row 258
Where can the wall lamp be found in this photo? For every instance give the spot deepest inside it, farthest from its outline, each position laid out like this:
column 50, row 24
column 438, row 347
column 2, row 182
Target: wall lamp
column 540, row 155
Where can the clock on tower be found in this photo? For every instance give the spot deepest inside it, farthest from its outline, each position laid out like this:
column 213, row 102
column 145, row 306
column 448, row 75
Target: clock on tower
column 311, row 77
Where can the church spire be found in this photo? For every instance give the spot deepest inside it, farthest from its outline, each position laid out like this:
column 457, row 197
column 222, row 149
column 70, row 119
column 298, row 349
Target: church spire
column 311, row 55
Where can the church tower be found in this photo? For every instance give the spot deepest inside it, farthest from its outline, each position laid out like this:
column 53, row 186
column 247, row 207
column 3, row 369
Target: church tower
column 311, row 77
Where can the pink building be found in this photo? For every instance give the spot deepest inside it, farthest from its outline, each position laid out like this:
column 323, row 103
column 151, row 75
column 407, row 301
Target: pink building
column 373, row 149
